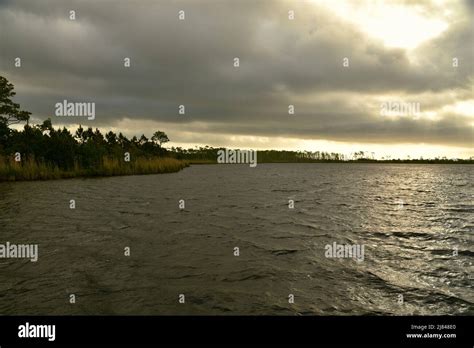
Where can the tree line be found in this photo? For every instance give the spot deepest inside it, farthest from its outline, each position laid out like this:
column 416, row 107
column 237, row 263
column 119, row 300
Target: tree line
column 85, row 148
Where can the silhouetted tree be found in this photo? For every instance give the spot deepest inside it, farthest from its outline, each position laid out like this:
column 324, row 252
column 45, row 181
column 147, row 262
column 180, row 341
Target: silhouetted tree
column 160, row 137
column 10, row 112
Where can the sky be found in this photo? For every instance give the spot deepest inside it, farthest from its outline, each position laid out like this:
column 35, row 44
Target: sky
column 390, row 77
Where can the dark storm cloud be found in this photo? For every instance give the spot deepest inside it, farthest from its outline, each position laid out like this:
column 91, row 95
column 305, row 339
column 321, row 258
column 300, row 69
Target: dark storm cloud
column 190, row 62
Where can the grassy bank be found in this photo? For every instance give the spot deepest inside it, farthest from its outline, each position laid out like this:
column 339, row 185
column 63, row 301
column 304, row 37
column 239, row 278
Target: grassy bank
column 36, row 170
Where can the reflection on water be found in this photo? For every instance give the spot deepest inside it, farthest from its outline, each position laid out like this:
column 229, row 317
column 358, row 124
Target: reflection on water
column 411, row 219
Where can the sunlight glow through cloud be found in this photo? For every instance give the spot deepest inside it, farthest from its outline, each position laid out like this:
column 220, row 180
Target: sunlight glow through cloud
column 396, row 25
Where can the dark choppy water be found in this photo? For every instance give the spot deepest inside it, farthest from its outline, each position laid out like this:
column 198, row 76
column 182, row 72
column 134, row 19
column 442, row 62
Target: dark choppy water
column 408, row 248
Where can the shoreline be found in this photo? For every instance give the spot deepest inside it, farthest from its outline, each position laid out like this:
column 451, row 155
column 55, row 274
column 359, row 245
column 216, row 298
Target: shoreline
column 344, row 162
column 32, row 171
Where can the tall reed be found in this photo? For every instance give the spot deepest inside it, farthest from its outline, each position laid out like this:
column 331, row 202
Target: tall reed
column 31, row 169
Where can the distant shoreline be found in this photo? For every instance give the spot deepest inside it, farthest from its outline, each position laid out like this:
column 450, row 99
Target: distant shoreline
column 352, row 162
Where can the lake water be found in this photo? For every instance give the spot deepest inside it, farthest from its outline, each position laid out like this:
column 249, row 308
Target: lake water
column 415, row 222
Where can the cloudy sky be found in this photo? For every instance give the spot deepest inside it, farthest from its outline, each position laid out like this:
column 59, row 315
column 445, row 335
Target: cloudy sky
column 290, row 53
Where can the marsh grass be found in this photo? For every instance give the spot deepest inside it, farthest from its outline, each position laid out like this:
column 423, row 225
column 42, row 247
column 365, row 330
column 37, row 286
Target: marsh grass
column 38, row 170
